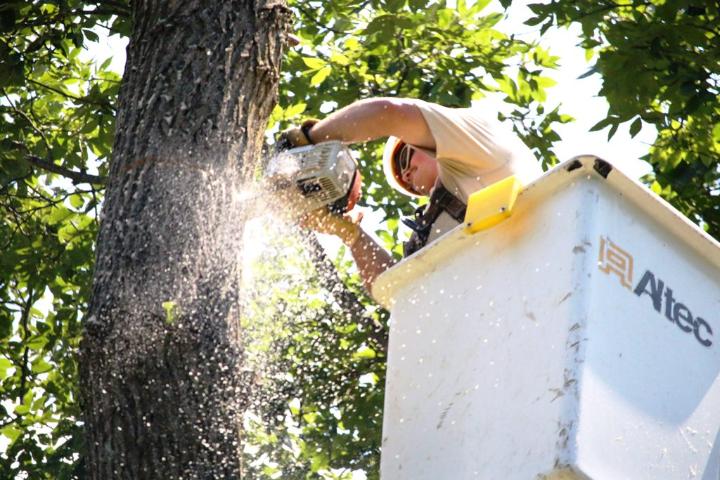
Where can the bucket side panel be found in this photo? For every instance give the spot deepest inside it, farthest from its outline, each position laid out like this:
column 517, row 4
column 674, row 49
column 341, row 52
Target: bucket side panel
column 477, row 382
column 650, row 393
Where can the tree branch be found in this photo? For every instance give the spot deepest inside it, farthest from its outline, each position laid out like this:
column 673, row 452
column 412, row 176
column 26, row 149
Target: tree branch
column 25, row 320
column 76, row 177
column 313, row 18
column 71, row 96
column 56, row 90
column 123, row 6
column 94, row 204
column 110, row 11
column 67, row 16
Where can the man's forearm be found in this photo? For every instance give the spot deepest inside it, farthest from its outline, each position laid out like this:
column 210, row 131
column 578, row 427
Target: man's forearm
column 358, row 122
column 370, row 258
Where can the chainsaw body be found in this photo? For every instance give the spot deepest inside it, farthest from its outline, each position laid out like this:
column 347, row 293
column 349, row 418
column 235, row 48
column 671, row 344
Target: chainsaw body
column 325, row 174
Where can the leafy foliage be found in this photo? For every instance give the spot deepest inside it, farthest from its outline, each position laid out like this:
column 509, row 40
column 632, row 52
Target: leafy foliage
column 318, row 358
column 659, row 63
column 57, row 114
column 56, row 122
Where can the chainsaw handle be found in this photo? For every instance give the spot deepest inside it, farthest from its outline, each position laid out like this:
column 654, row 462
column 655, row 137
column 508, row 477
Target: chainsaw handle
column 296, row 136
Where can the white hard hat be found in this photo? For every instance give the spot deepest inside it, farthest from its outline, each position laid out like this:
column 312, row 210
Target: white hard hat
column 392, row 147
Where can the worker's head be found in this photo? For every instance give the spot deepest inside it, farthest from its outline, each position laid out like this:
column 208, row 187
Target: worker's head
column 409, row 169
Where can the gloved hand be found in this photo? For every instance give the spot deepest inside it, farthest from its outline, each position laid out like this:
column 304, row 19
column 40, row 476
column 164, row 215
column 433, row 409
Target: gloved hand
column 296, row 136
column 346, row 227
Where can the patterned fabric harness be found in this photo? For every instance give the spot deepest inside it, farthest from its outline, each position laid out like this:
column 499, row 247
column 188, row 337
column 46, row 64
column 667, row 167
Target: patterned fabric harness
column 441, row 200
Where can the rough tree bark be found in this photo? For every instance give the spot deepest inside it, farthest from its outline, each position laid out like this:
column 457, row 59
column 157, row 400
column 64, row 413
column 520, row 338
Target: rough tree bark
column 160, row 359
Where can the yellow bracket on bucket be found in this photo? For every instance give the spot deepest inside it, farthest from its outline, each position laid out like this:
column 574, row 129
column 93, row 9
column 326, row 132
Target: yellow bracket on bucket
column 491, row 205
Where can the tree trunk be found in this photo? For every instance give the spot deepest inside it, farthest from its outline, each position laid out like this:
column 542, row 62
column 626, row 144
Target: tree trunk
column 160, row 360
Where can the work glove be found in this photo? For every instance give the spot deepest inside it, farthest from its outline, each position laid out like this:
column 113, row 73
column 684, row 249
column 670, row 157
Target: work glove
column 296, row 136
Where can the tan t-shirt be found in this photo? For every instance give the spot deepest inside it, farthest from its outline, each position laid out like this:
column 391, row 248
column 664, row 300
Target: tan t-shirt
column 475, row 150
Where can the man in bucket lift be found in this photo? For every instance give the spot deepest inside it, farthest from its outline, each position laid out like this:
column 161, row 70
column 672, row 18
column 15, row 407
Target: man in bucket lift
column 444, row 153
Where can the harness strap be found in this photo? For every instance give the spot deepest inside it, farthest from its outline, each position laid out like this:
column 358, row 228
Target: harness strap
column 441, row 200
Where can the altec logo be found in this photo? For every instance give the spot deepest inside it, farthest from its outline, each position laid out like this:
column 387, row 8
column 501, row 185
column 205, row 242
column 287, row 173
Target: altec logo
column 615, row 260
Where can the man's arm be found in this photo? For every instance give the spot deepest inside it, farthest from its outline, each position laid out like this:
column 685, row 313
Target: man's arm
column 370, row 258
column 373, row 118
column 363, row 121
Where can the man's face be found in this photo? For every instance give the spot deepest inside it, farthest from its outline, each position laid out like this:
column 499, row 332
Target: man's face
column 421, row 172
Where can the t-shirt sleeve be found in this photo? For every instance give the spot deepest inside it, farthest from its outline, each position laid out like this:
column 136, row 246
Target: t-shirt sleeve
column 465, row 138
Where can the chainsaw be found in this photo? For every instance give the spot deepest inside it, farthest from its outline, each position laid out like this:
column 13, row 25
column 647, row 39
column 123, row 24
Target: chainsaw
column 315, row 176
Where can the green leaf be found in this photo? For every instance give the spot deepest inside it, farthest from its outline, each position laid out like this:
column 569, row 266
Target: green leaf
column 635, row 127
column 66, row 233
column 417, row 4
column 613, row 130
column 5, row 365
column 320, row 76
column 384, row 24
column 716, row 133
column 59, row 214
column 77, row 201
column 601, row 124
column 546, row 82
column 92, row 36
column 479, row 5
column 364, row 352
column 105, row 64
column 11, row 432
column 534, row 21
column 314, row 63
column 36, row 342
column 340, row 59
column 591, row 71
column 394, row 5
column 6, row 319
column 41, row 366
column 171, row 312
column 295, row 110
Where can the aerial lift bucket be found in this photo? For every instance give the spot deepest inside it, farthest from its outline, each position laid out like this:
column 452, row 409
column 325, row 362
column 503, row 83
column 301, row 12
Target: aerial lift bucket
column 570, row 329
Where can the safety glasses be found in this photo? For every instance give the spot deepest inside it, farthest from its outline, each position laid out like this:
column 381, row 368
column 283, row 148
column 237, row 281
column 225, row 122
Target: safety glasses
column 404, row 157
